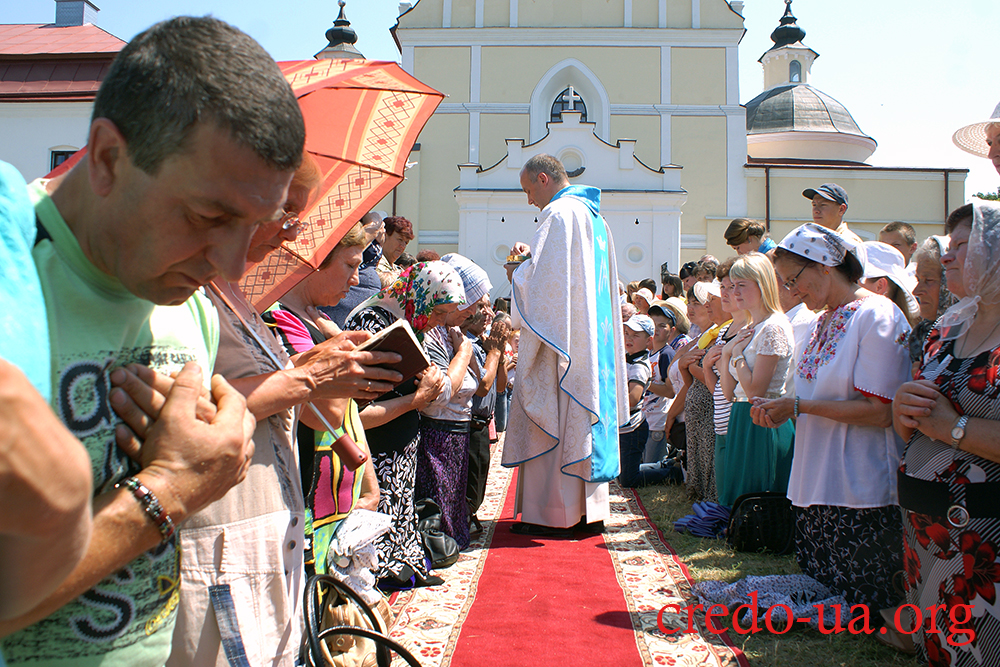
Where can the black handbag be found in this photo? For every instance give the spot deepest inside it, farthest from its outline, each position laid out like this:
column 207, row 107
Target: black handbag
column 441, row 549
column 762, row 522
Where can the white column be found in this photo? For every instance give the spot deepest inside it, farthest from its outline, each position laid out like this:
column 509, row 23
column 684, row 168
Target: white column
column 479, row 13
column 513, row 13
column 665, row 84
column 474, row 137
column 628, row 13
column 732, row 76
column 695, row 13
column 665, row 124
column 736, row 154
column 476, row 74
column 663, row 14
column 446, row 14
column 408, row 60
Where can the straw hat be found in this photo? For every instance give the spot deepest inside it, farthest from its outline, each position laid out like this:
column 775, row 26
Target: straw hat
column 643, row 294
column 972, row 138
column 675, row 310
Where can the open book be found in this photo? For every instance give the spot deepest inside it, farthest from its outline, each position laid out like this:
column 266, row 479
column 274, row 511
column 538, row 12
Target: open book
column 399, row 338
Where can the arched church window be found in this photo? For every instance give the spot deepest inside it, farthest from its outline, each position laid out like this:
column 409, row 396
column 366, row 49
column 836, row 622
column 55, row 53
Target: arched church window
column 795, row 71
column 568, row 100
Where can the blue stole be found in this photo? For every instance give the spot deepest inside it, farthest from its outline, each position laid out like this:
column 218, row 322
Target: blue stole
column 604, row 464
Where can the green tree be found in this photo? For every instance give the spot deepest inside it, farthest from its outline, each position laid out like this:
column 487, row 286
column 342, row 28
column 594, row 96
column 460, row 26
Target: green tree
column 988, row 196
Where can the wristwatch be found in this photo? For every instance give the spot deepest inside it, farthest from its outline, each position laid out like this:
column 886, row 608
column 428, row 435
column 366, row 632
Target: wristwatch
column 958, row 431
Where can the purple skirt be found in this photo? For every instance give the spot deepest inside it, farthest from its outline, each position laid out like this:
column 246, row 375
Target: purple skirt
column 442, row 474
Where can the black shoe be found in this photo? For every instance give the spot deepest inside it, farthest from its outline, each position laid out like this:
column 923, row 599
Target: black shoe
column 592, row 528
column 476, row 526
column 538, row 530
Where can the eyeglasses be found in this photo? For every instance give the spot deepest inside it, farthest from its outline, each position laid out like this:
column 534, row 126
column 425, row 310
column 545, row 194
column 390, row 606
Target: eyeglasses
column 791, row 282
column 290, row 220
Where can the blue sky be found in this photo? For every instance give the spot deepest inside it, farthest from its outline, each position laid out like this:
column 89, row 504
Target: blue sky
column 910, row 71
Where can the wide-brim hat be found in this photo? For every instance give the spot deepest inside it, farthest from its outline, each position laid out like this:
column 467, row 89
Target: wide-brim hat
column 884, row 261
column 644, row 294
column 702, row 290
column 675, row 309
column 972, row 138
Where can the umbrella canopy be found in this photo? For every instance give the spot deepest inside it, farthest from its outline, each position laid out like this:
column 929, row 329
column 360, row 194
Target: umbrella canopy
column 362, row 118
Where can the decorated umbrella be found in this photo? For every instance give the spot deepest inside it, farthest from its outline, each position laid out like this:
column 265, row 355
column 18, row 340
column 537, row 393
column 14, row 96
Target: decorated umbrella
column 362, row 118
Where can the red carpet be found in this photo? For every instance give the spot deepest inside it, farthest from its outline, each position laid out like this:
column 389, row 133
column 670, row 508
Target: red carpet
column 546, row 602
column 515, row 600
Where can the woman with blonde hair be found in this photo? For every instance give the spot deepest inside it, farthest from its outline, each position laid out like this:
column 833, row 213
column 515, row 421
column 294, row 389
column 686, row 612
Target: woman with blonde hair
column 756, row 362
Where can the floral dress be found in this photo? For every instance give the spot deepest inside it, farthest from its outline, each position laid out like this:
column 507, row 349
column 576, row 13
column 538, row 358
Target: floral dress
column 946, row 565
column 699, row 416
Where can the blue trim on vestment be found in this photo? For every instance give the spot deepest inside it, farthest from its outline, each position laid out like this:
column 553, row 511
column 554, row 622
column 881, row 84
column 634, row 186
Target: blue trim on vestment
column 604, row 449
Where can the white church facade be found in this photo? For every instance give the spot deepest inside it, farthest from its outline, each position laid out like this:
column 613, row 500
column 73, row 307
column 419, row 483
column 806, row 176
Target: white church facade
column 641, row 99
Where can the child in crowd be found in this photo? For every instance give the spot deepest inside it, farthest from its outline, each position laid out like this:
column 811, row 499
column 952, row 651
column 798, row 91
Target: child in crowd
column 639, row 329
column 666, row 331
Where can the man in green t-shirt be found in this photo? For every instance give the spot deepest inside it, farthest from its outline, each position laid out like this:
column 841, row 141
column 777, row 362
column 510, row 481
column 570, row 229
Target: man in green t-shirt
column 194, row 139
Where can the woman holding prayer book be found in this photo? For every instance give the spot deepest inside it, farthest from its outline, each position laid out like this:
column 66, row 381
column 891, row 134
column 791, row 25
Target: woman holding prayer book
column 331, row 488
column 423, row 295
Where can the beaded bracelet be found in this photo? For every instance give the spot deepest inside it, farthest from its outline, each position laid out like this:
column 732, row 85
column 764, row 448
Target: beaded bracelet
column 796, row 408
column 151, row 504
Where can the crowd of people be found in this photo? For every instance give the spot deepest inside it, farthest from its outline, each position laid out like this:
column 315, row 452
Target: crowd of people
column 857, row 378
column 199, row 456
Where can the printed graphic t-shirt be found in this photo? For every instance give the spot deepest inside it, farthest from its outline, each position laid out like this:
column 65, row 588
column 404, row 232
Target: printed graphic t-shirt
column 95, row 326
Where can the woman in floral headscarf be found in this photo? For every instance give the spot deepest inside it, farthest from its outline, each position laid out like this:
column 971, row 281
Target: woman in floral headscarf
column 949, row 479
column 424, row 295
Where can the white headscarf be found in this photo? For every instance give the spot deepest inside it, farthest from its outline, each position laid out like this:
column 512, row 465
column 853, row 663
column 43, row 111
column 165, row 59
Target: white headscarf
column 981, row 272
column 819, row 244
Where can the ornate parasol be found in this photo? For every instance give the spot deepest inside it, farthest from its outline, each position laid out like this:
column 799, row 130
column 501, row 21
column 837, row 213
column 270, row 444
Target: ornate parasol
column 362, row 118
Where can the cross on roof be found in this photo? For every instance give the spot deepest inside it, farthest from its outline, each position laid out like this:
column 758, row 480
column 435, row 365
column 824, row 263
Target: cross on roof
column 570, row 97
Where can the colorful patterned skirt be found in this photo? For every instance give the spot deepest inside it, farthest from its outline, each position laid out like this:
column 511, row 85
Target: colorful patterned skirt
column 401, row 548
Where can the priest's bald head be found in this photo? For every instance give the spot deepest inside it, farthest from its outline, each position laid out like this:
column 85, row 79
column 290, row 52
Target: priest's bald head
column 541, row 178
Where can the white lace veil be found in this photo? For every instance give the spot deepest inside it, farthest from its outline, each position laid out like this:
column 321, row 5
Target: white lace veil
column 981, row 272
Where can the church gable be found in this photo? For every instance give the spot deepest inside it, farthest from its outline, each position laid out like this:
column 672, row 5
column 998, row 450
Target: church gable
column 682, row 14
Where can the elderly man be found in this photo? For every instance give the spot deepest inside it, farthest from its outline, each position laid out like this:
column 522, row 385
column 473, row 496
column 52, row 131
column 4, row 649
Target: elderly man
column 187, row 155
column 564, row 417
column 829, row 204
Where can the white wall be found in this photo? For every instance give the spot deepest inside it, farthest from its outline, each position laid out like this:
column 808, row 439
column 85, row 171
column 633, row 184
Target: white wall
column 31, row 130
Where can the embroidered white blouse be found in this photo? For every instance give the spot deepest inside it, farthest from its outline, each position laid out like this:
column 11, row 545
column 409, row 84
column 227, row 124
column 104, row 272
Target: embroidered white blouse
column 858, row 349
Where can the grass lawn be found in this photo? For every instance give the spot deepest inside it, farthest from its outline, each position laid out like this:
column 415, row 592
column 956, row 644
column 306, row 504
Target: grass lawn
column 713, row 559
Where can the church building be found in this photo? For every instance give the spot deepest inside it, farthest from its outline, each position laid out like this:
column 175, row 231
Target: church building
column 641, row 99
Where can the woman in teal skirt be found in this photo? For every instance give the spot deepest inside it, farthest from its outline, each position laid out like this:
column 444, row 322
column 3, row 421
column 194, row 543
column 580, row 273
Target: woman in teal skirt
column 754, row 458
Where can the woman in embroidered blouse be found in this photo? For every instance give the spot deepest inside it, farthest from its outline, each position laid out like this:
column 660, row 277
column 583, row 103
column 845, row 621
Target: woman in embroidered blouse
column 950, row 471
column 754, row 458
column 843, row 483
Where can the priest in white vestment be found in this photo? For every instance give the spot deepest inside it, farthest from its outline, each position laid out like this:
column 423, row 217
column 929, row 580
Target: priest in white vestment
column 571, row 390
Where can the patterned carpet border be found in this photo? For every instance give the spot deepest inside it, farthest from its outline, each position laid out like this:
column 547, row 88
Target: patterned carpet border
column 652, row 575
column 429, row 620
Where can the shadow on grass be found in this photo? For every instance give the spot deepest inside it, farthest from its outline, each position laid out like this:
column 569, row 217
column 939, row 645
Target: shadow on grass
column 708, row 559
